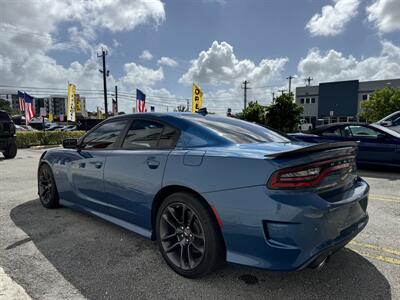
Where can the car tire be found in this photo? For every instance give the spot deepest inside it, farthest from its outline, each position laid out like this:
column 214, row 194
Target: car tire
column 11, row 151
column 188, row 236
column 47, row 188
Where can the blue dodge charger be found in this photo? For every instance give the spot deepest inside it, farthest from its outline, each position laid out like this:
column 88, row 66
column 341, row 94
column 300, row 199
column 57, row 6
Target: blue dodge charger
column 212, row 189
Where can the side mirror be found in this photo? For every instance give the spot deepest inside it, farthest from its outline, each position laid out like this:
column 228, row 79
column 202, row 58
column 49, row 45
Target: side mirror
column 386, row 123
column 70, row 143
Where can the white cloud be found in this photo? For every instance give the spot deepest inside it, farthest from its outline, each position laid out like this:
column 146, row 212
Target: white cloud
column 219, row 65
column 333, row 65
column 167, row 61
column 30, row 29
column 385, row 14
column 140, row 76
column 221, row 74
column 146, row 55
column 333, row 18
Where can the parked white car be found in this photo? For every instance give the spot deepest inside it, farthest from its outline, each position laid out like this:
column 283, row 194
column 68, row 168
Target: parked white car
column 391, row 121
column 304, row 126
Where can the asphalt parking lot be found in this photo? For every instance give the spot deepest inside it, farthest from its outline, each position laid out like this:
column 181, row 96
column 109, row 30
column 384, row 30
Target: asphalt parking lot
column 63, row 254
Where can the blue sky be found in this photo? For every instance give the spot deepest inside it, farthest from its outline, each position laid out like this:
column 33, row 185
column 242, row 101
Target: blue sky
column 259, row 40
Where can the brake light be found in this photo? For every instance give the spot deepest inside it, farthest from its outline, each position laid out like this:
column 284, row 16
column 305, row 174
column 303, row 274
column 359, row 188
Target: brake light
column 309, row 175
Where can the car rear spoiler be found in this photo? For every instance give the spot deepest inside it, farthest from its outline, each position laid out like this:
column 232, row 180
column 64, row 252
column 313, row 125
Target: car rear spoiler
column 312, row 148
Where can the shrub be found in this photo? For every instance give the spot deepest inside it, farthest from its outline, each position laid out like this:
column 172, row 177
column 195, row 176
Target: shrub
column 27, row 139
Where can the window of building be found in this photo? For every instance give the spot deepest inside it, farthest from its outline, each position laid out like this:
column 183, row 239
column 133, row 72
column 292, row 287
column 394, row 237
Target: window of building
column 105, row 136
column 308, row 100
column 302, row 100
column 365, row 97
column 312, row 100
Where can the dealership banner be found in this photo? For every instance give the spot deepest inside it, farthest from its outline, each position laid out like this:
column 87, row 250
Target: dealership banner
column 71, row 102
column 197, row 98
column 78, row 104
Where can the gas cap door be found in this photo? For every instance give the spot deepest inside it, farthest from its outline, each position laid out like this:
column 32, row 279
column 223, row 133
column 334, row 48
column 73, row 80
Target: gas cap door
column 193, row 158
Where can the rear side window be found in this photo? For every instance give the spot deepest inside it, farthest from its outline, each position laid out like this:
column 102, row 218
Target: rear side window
column 332, row 132
column 147, row 134
column 105, row 136
column 4, row 116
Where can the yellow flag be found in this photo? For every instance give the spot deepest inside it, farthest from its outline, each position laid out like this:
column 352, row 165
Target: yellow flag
column 71, row 102
column 51, row 118
column 197, row 98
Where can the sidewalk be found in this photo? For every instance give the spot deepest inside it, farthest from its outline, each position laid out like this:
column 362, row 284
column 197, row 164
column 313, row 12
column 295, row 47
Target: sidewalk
column 10, row 290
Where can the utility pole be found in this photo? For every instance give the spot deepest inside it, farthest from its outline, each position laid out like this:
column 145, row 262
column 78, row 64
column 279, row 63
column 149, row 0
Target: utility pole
column 282, row 91
column 116, row 99
column 273, row 96
column 290, row 83
column 308, row 80
column 105, row 75
column 245, row 88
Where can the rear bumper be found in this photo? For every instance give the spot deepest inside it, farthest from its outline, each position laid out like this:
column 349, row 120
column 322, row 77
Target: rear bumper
column 287, row 231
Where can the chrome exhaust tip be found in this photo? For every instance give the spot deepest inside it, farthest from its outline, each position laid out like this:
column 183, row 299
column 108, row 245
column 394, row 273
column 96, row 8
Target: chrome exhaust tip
column 322, row 263
column 319, row 263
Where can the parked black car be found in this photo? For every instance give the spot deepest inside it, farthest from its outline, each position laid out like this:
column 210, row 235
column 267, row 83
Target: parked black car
column 8, row 143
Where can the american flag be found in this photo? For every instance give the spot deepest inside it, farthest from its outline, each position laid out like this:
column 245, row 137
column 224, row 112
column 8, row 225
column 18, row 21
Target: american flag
column 21, row 99
column 29, row 108
column 140, row 101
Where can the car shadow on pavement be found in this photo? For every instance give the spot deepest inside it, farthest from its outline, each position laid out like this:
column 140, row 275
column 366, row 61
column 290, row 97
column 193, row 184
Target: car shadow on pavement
column 102, row 260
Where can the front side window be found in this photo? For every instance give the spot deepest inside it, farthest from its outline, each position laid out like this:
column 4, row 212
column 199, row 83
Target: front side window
column 105, row 136
column 147, row 134
column 361, row 131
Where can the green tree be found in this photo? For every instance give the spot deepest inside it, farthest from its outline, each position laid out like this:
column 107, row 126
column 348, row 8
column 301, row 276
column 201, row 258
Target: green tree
column 254, row 112
column 283, row 114
column 6, row 106
column 380, row 104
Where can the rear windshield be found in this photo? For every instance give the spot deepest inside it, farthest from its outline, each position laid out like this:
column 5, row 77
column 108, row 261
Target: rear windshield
column 4, row 116
column 238, row 131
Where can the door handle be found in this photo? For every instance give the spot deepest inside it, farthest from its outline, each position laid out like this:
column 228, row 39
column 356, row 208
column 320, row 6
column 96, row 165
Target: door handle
column 98, row 164
column 152, row 163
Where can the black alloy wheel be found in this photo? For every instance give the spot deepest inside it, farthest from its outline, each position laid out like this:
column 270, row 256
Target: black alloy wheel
column 188, row 237
column 182, row 236
column 48, row 194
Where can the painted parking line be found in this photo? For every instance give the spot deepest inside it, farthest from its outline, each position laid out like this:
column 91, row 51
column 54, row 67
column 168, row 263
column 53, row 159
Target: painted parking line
column 387, row 198
column 375, row 247
column 386, row 259
column 382, row 252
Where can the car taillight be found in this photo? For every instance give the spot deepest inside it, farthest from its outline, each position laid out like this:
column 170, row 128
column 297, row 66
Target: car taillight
column 309, row 175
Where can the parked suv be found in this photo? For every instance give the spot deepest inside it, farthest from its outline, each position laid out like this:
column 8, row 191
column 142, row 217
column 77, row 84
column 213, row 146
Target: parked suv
column 8, row 143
